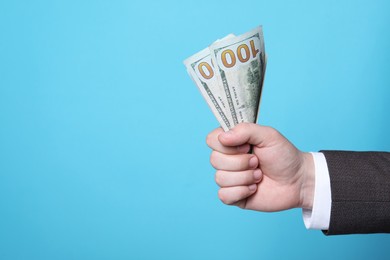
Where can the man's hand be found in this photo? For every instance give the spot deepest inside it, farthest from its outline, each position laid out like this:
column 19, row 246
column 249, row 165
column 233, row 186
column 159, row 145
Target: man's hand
column 277, row 176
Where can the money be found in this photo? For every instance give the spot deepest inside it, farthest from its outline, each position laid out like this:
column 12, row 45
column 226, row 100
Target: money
column 201, row 70
column 230, row 76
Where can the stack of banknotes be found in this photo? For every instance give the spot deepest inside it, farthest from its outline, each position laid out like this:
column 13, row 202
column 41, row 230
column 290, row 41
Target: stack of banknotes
column 230, row 75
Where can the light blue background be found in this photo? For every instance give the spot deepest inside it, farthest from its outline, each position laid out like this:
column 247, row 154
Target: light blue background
column 102, row 132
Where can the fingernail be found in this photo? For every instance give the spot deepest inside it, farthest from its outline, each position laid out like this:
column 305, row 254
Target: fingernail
column 253, row 162
column 252, row 187
column 257, row 174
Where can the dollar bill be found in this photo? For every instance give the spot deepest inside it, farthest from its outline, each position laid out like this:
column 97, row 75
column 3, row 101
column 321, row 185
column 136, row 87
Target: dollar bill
column 201, row 70
column 239, row 68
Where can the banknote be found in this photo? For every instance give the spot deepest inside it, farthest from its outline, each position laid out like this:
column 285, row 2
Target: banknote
column 201, row 70
column 239, row 68
column 230, row 75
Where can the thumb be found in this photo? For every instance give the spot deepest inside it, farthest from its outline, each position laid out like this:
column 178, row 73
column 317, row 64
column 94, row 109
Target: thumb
column 247, row 133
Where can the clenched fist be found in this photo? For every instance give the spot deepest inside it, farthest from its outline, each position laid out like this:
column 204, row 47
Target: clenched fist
column 276, row 176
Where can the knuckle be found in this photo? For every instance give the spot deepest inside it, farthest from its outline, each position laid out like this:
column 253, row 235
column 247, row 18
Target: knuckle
column 209, row 140
column 219, row 178
column 213, row 158
column 242, row 126
column 212, row 137
column 222, row 197
column 238, row 128
column 245, row 124
column 272, row 131
column 222, row 178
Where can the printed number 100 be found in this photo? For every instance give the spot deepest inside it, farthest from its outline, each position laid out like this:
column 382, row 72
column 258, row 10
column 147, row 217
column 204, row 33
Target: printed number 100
column 229, row 58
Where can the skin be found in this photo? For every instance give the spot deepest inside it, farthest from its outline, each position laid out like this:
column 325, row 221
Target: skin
column 276, row 176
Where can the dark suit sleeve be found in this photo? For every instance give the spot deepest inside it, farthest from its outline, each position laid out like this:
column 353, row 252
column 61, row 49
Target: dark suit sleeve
column 360, row 186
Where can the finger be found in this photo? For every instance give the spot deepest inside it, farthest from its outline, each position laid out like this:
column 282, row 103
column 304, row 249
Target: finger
column 248, row 133
column 243, row 178
column 241, row 203
column 232, row 195
column 238, row 162
column 213, row 142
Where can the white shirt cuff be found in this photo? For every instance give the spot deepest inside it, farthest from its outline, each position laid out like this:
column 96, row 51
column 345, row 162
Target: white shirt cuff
column 319, row 216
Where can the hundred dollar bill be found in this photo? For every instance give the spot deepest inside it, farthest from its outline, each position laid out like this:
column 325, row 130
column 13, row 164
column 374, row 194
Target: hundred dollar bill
column 201, row 70
column 239, row 67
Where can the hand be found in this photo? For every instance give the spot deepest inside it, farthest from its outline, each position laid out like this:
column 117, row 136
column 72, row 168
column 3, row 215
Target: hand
column 277, row 176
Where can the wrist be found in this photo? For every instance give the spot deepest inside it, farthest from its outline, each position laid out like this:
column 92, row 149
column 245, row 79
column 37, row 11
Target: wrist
column 308, row 181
